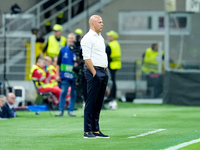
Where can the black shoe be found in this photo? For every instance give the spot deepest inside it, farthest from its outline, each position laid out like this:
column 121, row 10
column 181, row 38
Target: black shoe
column 89, row 135
column 100, row 135
column 59, row 114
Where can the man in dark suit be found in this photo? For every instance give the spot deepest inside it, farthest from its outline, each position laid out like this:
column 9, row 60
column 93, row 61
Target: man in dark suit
column 2, row 102
column 8, row 110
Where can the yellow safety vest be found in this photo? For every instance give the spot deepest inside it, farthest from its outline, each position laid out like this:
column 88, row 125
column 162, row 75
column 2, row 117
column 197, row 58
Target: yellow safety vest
column 115, row 55
column 55, row 46
column 150, row 63
column 39, row 84
column 50, row 69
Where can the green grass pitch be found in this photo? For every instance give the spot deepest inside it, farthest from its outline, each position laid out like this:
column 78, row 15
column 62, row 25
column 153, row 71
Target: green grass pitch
column 45, row 132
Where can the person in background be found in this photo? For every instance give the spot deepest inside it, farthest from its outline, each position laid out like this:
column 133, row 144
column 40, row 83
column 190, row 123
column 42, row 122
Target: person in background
column 55, row 42
column 82, row 84
column 113, row 51
column 78, row 31
column 2, row 102
column 15, row 9
column 39, row 44
column 8, row 110
column 65, row 64
column 51, row 69
column 150, row 71
column 48, row 62
column 150, row 60
column 42, row 79
column 96, row 74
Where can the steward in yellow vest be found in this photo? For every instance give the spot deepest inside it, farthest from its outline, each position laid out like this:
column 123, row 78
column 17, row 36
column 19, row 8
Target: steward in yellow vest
column 51, row 69
column 150, row 60
column 39, row 75
column 114, row 54
column 55, row 42
column 113, row 51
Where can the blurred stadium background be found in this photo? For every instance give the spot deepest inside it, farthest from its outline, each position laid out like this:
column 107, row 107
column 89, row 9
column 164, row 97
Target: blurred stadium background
column 173, row 24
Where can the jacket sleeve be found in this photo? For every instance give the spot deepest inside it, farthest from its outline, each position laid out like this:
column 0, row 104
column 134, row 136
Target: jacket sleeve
column 6, row 113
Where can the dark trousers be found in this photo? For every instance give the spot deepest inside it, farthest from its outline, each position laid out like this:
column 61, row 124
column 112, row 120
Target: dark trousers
column 96, row 87
column 114, row 87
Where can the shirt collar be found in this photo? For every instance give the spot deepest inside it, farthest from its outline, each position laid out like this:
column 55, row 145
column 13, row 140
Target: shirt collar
column 10, row 106
column 94, row 33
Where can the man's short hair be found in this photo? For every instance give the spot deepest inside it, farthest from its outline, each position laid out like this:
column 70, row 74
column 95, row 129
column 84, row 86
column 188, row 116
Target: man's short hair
column 72, row 34
column 154, row 45
column 3, row 98
column 40, row 58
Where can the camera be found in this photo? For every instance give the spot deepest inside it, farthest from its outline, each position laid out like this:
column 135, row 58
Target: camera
column 78, row 70
column 76, row 46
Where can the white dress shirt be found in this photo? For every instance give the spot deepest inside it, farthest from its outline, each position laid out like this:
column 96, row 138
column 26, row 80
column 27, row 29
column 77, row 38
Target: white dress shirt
column 93, row 47
column 11, row 108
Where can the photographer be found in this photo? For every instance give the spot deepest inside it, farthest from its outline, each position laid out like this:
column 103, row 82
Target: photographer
column 80, row 80
column 67, row 60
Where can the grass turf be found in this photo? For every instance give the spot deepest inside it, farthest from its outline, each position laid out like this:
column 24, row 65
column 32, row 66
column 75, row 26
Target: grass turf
column 45, row 132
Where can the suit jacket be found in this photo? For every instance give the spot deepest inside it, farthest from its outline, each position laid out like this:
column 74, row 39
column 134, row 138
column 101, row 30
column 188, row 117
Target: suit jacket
column 7, row 112
column 0, row 111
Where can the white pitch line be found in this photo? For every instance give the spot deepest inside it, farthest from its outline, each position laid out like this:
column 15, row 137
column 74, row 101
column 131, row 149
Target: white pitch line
column 150, row 132
column 183, row 144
